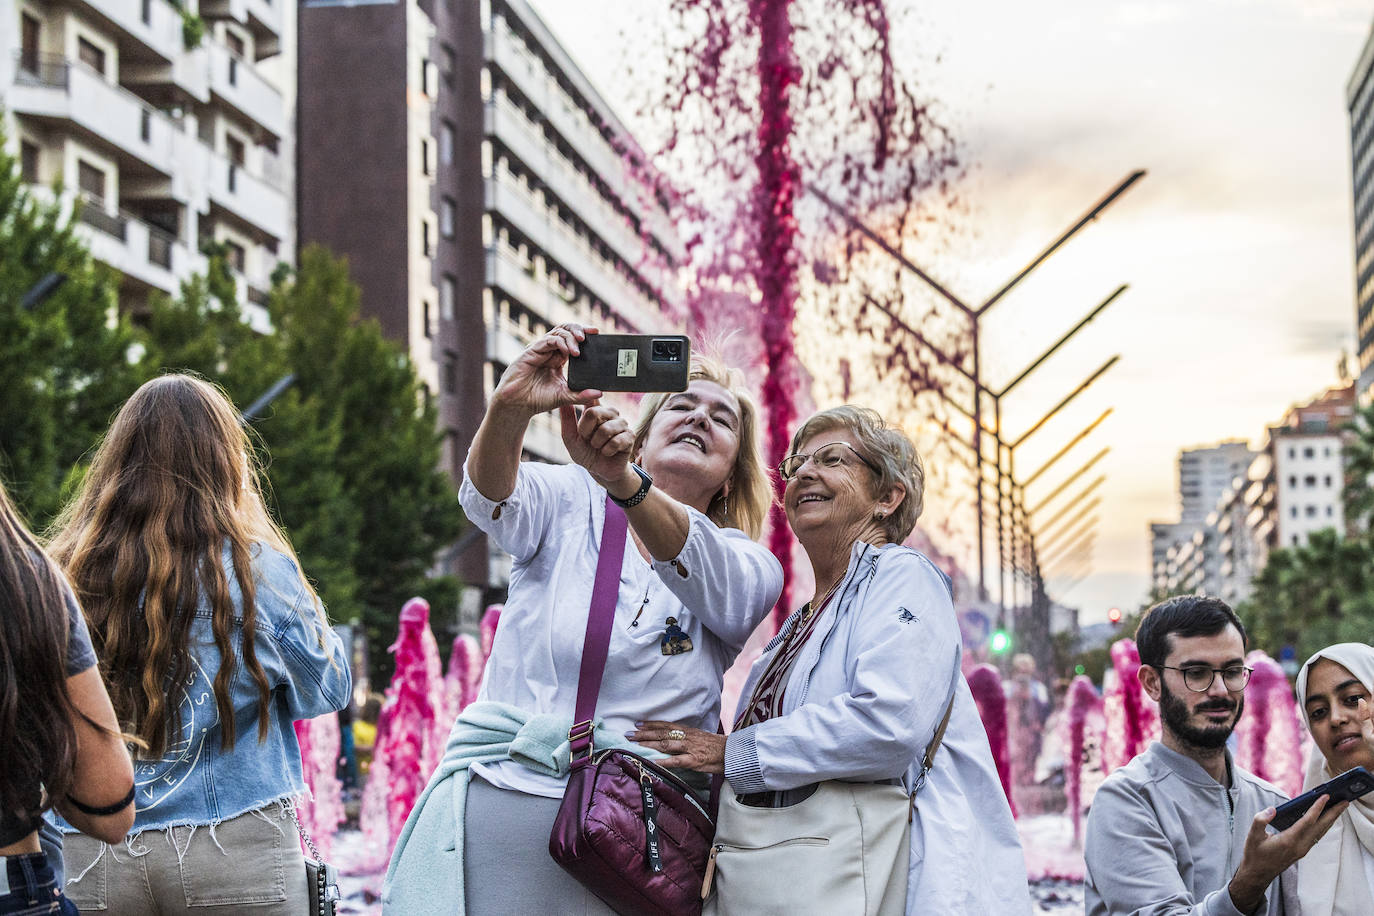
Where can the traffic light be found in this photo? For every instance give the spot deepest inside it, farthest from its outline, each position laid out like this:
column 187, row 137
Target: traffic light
column 999, row 642
column 1114, row 615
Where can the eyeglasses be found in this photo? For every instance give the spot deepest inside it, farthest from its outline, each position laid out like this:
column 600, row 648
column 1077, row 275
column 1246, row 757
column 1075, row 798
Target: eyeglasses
column 1199, row 678
column 827, row 456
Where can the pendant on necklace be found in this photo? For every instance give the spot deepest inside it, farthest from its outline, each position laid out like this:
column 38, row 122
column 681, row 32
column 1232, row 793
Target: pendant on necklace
column 674, row 641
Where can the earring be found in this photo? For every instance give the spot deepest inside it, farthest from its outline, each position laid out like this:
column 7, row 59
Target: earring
column 880, row 515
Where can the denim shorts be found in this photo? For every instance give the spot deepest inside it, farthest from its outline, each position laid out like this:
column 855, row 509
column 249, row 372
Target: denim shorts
column 28, row 886
column 248, row 864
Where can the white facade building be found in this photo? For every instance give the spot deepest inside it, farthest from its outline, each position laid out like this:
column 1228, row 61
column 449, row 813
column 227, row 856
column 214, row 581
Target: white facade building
column 1308, row 477
column 163, row 139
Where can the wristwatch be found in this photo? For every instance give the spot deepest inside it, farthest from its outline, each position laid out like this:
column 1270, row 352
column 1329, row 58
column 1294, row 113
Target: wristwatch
column 645, row 482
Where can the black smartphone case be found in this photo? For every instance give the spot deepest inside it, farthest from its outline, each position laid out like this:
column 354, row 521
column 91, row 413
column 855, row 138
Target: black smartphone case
column 631, row 362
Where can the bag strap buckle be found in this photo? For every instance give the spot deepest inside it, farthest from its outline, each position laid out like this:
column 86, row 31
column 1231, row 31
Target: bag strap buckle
column 580, row 738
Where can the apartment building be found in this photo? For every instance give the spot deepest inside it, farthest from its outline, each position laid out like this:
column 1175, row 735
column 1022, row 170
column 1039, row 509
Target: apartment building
column 1205, row 473
column 166, row 126
column 1290, row 489
column 482, row 190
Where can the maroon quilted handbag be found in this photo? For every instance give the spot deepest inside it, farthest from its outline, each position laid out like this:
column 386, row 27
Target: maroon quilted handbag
column 631, row 832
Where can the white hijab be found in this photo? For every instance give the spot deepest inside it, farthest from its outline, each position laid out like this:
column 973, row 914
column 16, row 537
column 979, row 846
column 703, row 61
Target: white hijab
column 1332, row 880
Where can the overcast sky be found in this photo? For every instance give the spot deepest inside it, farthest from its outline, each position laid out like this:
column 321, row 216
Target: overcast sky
column 1237, row 245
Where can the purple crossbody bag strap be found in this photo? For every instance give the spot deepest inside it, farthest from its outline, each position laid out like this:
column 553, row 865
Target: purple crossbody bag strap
column 597, row 645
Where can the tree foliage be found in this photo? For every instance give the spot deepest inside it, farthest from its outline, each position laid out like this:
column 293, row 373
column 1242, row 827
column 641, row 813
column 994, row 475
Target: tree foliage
column 64, row 364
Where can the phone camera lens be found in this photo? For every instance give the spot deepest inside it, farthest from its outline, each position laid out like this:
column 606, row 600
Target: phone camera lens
column 667, row 351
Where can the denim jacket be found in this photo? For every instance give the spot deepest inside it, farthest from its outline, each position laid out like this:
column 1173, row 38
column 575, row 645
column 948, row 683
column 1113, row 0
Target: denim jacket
column 196, row 782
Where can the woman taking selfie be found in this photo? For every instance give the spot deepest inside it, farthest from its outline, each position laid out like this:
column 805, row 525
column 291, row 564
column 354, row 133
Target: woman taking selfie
column 1335, row 693
column 213, row 644
column 692, row 586
column 60, row 739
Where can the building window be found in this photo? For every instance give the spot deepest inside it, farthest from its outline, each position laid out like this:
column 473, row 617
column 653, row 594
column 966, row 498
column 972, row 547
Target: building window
column 236, row 45
column 1311, row 511
column 448, row 291
column 91, row 55
column 1326, row 452
column 450, row 374
column 91, row 180
column 145, row 125
column 29, row 31
column 146, row 12
column 424, row 157
column 1292, row 453
column 1309, row 452
column 1295, row 540
column 427, row 76
column 448, row 62
column 1293, row 512
column 1330, row 511
column 448, row 217
column 426, row 238
column 1326, row 481
column 1310, row 480
column 28, row 161
column 237, row 150
column 428, row 318
column 446, row 137
column 235, row 256
column 1292, row 480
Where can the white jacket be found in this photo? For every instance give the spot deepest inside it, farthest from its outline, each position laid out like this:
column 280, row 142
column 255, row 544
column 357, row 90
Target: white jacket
column 863, row 702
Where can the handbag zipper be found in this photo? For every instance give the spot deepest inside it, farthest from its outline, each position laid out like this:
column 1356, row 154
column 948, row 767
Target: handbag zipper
column 715, row 851
column 649, row 768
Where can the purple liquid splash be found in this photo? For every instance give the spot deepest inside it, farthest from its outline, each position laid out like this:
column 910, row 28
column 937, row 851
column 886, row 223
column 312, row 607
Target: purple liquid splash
column 985, row 683
column 763, row 97
column 1132, row 718
column 1270, row 735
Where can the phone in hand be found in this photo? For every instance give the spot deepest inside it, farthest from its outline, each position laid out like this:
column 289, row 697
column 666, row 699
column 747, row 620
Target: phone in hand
column 1346, row 787
column 631, row 362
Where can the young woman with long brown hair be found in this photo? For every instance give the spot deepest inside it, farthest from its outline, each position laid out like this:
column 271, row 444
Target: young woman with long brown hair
column 213, row 644
column 61, row 742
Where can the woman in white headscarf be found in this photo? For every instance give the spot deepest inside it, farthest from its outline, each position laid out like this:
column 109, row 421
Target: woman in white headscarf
column 1335, row 691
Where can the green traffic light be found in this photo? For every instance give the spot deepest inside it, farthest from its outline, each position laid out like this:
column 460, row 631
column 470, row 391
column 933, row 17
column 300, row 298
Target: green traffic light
column 1000, row 641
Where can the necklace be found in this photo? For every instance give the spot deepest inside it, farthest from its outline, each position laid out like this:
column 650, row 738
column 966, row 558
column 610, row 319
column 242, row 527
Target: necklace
column 811, row 607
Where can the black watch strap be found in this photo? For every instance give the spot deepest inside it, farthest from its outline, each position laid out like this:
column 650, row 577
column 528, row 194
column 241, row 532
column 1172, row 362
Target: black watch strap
column 645, row 482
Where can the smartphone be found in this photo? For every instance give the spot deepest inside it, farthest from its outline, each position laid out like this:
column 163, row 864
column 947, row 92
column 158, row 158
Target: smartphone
column 1346, row 787
column 631, row 362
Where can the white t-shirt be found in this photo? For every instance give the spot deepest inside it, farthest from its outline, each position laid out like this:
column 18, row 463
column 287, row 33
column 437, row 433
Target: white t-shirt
column 719, row 588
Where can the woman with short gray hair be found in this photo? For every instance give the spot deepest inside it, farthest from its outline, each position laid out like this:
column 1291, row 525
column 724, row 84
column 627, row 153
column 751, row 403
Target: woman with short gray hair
column 844, row 713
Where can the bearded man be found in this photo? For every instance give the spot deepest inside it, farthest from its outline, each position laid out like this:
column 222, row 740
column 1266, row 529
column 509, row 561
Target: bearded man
column 1182, row 829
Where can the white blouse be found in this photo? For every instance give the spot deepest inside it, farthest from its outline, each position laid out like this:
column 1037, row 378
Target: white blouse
column 719, row 588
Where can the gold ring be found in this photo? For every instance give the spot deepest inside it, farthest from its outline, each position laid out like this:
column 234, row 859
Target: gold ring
column 676, row 734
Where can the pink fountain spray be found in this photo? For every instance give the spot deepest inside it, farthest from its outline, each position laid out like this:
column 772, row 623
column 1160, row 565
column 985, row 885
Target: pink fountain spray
column 322, row 811
column 464, row 673
column 1132, row 718
column 490, row 618
column 409, row 741
column 751, row 124
column 1083, row 722
column 985, row 682
column 1270, row 734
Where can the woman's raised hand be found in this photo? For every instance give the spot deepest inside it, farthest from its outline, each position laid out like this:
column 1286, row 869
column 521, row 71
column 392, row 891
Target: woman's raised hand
column 536, row 382
column 600, row 440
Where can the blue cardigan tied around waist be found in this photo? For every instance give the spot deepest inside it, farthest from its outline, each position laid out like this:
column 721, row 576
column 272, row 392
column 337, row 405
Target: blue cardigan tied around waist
column 425, row 874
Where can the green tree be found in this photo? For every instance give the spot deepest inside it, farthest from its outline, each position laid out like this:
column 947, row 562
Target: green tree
column 351, row 448
column 64, row 365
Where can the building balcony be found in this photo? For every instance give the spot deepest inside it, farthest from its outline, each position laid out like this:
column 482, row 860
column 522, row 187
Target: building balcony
column 262, row 17
column 137, row 250
column 528, row 75
column 252, row 199
column 555, row 239
column 54, row 89
column 239, row 85
column 155, row 24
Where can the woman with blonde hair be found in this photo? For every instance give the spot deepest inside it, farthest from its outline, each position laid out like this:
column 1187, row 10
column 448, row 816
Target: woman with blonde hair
column 62, row 747
column 692, row 586
column 213, row 644
column 1335, row 692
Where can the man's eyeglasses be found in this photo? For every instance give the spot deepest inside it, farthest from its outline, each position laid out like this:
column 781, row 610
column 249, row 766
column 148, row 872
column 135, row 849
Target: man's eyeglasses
column 1199, row 678
column 827, row 456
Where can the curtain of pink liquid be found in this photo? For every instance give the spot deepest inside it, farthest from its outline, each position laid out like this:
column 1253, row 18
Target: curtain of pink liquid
column 985, row 683
column 321, row 812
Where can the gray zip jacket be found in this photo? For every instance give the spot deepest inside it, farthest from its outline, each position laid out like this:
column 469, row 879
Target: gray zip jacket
column 1164, row 839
